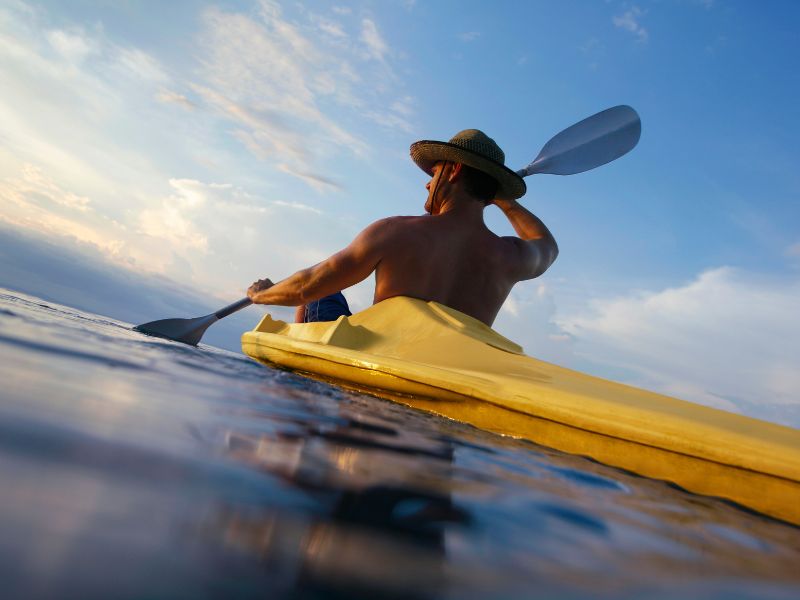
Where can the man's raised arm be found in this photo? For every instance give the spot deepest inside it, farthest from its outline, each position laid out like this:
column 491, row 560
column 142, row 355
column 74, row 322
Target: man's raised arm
column 345, row 268
column 537, row 246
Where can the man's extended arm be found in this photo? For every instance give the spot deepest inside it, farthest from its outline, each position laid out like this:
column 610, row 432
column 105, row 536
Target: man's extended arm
column 340, row 271
column 537, row 246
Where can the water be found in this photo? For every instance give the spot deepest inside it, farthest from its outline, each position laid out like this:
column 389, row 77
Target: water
column 132, row 467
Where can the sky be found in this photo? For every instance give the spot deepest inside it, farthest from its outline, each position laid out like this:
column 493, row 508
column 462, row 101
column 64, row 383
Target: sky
column 156, row 158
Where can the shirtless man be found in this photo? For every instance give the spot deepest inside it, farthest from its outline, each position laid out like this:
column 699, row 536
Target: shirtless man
column 448, row 255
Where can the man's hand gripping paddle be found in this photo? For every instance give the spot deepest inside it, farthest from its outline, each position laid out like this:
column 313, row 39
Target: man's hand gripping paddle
column 586, row 145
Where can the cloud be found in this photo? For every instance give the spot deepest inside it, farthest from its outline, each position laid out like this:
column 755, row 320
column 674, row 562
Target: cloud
column 170, row 97
column 282, row 86
column 376, row 46
column 332, row 29
column 212, row 235
column 793, row 250
column 528, row 317
column 140, row 65
column 726, row 339
column 629, row 21
column 319, row 182
column 74, row 47
column 35, row 202
column 95, row 156
column 469, row 36
column 67, row 271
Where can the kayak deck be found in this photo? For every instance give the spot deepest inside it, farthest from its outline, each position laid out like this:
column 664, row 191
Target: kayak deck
column 434, row 358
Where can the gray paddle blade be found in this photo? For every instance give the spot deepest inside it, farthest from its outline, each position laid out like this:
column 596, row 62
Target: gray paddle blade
column 188, row 331
column 588, row 144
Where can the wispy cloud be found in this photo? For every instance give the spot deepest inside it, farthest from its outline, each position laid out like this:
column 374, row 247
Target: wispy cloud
column 726, row 339
column 469, row 36
column 319, row 182
column 630, row 21
column 374, row 42
column 169, row 97
column 284, row 87
column 93, row 151
column 331, row 28
column 74, row 47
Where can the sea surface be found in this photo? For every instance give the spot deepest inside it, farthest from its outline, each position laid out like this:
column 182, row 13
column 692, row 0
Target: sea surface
column 134, row 467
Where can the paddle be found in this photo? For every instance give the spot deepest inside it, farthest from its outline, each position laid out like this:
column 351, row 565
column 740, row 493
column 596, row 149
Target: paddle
column 189, row 331
column 586, row 145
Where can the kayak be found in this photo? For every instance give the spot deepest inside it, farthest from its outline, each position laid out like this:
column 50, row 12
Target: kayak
column 431, row 357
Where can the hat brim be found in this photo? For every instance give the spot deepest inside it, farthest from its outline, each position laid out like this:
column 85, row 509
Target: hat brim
column 427, row 153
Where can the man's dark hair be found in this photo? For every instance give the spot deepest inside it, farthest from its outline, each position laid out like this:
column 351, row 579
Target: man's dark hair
column 479, row 184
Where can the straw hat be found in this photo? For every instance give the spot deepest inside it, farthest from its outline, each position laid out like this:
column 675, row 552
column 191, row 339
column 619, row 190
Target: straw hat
column 476, row 149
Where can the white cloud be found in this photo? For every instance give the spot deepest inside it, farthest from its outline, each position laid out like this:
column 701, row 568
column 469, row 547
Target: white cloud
column 140, row 65
column 169, row 221
column 33, row 201
column 73, row 47
column 93, row 150
column 404, row 106
column 528, row 318
column 629, row 21
column 169, row 97
column 469, row 36
column 376, row 46
column 283, row 86
column 728, row 339
column 331, row 28
column 318, row 182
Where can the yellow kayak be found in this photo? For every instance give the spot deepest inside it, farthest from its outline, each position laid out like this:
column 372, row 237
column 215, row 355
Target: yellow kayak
column 434, row 358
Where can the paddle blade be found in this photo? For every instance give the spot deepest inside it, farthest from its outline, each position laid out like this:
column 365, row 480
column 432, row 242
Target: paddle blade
column 188, row 331
column 588, row 144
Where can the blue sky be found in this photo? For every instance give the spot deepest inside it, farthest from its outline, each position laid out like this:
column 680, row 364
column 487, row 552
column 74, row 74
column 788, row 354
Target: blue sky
column 184, row 149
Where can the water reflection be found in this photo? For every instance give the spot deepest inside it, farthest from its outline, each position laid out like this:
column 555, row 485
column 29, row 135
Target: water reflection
column 136, row 468
column 376, row 522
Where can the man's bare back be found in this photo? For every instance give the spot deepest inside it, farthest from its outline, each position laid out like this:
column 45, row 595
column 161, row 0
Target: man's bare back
column 448, row 256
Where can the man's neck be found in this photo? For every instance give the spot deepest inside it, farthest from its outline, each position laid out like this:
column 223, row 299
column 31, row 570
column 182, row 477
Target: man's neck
column 462, row 207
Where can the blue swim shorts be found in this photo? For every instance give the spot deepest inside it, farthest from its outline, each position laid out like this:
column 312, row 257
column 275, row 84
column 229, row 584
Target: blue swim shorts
column 328, row 308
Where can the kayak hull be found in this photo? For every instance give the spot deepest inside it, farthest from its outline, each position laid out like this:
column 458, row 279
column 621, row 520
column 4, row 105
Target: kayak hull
column 433, row 358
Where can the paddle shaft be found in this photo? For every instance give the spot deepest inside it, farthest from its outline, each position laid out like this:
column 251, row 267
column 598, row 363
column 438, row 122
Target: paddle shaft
column 232, row 308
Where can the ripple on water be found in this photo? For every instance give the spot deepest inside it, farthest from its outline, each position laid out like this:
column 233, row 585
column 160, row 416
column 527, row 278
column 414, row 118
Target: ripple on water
column 135, row 467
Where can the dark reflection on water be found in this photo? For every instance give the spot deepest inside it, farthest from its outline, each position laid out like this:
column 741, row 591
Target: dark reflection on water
column 132, row 467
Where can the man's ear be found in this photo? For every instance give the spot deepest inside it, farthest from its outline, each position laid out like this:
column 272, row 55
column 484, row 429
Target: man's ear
column 455, row 171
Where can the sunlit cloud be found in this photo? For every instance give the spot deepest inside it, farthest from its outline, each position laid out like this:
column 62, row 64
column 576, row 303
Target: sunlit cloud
column 629, row 21
column 94, row 152
column 297, row 206
column 726, row 339
column 71, row 46
column 169, row 97
column 376, row 46
column 33, row 201
column 274, row 79
column 331, row 28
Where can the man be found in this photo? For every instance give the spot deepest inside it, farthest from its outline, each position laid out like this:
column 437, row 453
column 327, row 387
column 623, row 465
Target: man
column 448, row 255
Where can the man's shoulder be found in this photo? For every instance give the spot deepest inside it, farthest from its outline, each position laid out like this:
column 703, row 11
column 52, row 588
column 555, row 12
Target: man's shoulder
column 396, row 223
